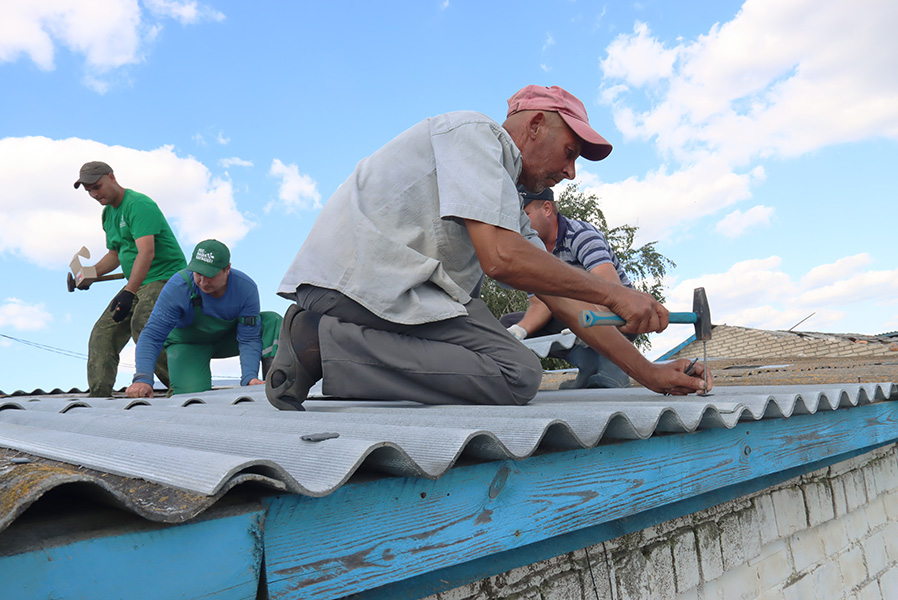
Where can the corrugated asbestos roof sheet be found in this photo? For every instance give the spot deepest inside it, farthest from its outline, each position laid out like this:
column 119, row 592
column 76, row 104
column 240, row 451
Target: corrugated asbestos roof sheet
column 542, row 345
column 199, row 446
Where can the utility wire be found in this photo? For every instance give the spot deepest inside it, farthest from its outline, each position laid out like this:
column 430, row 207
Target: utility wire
column 55, row 350
column 80, row 355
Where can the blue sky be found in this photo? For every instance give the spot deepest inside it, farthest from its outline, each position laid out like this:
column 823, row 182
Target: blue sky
column 755, row 142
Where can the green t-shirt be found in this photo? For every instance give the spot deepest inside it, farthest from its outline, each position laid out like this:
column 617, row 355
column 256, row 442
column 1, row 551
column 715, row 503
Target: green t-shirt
column 135, row 217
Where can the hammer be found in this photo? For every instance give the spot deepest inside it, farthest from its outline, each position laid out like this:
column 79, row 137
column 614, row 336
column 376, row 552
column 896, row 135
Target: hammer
column 700, row 317
column 81, row 277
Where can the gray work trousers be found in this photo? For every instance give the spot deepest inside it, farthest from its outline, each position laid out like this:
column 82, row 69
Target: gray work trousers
column 463, row 360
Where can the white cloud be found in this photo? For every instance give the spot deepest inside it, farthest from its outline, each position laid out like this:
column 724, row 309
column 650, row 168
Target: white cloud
column 187, row 13
column 22, row 316
column 296, row 191
column 779, row 79
column 221, row 139
column 550, row 41
column 843, row 296
column 235, row 161
column 46, row 222
column 104, row 31
column 109, row 34
column 825, row 274
column 662, row 203
column 850, row 285
column 638, row 59
column 734, row 224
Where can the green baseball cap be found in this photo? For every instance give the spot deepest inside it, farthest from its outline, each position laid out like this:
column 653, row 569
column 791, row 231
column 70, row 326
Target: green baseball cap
column 91, row 172
column 209, row 258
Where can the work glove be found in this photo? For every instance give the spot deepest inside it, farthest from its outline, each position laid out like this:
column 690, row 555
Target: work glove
column 121, row 305
column 517, row 331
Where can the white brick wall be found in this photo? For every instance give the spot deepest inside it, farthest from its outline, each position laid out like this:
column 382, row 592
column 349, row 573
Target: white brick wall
column 828, row 535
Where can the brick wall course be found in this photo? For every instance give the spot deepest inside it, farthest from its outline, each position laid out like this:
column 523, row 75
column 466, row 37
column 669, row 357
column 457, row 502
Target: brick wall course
column 818, row 499
column 709, row 551
column 827, row 584
column 660, row 580
column 852, row 568
column 774, row 565
column 800, row 589
column 870, row 592
column 855, row 490
column 888, row 585
column 835, row 536
column 766, row 518
column 875, row 555
column 788, row 507
column 807, row 548
column 630, row 575
column 686, row 567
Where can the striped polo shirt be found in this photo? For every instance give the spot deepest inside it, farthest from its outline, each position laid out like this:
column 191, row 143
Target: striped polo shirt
column 582, row 245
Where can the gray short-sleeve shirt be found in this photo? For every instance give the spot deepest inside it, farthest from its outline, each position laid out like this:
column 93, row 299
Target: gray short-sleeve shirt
column 393, row 238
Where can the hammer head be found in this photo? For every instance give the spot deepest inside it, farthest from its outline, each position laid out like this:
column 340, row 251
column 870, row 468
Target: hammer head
column 80, row 272
column 702, row 314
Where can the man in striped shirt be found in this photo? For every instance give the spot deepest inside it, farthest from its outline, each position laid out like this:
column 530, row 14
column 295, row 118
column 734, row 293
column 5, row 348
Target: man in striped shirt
column 582, row 245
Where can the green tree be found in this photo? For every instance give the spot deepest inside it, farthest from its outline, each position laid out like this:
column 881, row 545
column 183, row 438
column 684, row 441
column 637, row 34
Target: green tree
column 645, row 266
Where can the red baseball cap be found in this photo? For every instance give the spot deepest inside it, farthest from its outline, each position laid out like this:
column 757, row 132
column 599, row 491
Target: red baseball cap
column 555, row 99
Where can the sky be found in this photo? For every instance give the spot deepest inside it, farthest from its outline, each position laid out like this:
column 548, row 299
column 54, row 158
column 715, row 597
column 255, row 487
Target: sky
column 754, row 142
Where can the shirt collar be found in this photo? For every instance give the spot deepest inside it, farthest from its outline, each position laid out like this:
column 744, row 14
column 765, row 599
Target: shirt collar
column 562, row 231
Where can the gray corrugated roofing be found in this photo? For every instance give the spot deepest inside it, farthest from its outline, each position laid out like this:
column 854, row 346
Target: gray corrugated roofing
column 542, row 345
column 204, row 444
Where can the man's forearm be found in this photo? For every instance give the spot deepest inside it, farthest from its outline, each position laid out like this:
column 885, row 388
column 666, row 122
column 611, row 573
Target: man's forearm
column 507, row 257
column 107, row 263
column 249, row 344
column 604, row 339
column 537, row 316
column 146, row 252
column 138, row 273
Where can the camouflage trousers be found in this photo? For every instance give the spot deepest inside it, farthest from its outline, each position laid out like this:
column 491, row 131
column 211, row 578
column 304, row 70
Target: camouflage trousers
column 108, row 338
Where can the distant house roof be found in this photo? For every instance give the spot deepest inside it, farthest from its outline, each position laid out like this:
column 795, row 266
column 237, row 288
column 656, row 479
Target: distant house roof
column 729, row 341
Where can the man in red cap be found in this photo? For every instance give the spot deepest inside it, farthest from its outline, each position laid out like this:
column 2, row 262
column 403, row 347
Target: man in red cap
column 387, row 282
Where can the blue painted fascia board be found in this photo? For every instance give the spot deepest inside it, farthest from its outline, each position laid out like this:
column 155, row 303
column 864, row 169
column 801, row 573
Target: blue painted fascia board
column 215, row 559
column 483, row 519
column 457, row 575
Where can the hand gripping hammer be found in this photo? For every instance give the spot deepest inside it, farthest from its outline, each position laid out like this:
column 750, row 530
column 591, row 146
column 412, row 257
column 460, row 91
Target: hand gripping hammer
column 81, row 277
column 700, row 317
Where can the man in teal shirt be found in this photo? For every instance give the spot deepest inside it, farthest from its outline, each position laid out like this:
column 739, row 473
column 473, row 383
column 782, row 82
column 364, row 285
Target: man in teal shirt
column 140, row 240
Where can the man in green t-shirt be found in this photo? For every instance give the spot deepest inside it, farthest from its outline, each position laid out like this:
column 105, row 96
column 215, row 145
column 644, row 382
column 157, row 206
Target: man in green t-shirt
column 140, row 240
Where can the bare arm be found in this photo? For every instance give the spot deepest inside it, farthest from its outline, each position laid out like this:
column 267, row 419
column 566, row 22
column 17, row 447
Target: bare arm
column 146, row 251
column 536, row 317
column 507, row 257
column 108, row 263
column 667, row 378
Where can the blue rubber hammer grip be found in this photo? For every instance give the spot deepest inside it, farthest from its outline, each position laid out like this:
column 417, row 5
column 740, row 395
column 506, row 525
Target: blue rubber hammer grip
column 590, row 318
